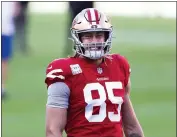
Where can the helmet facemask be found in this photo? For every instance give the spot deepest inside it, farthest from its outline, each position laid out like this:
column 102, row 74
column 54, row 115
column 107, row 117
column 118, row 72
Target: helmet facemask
column 94, row 50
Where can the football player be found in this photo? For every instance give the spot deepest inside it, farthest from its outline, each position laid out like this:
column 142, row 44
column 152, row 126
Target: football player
column 88, row 94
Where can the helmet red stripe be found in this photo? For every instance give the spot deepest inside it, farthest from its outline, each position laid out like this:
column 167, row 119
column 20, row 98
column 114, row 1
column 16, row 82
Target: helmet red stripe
column 96, row 16
column 89, row 16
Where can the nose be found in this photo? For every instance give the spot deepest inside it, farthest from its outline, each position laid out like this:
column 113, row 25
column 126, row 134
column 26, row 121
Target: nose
column 94, row 38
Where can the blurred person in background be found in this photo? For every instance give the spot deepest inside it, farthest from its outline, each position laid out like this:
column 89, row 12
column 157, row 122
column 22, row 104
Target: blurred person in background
column 74, row 8
column 9, row 11
column 21, row 24
column 85, row 97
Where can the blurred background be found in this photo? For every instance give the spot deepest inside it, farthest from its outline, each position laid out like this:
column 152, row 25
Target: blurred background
column 145, row 33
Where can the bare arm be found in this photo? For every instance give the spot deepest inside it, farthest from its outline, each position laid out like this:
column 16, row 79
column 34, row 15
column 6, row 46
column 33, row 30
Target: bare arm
column 55, row 121
column 56, row 110
column 131, row 125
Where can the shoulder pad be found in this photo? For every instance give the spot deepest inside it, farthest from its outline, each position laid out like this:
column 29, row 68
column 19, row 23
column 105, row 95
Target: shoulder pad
column 122, row 59
column 58, row 71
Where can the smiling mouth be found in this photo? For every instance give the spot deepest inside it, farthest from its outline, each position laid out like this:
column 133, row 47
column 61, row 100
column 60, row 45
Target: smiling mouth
column 95, row 48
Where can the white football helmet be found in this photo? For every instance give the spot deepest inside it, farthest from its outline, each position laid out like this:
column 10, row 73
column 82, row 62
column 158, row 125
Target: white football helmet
column 91, row 20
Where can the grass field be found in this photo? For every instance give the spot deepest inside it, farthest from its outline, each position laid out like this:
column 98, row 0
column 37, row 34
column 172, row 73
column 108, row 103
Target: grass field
column 149, row 45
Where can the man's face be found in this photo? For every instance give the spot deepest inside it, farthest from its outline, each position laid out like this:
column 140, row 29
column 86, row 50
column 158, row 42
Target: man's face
column 93, row 37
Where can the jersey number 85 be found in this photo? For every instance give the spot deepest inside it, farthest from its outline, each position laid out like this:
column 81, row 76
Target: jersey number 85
column 101, row 101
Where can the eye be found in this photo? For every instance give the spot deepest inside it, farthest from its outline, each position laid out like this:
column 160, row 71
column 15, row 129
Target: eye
column 88, row 36
column 100, row 34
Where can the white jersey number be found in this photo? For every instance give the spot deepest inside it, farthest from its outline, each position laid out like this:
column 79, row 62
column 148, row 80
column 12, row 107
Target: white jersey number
column 101, row 101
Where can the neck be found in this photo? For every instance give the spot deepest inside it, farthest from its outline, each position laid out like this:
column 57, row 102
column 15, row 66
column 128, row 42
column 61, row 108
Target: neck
column 98, row 61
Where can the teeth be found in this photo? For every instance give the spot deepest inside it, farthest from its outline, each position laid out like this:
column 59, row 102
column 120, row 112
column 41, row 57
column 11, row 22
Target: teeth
column 94, row 48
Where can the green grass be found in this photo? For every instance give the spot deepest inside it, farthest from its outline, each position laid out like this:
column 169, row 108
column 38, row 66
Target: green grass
column 149, row 45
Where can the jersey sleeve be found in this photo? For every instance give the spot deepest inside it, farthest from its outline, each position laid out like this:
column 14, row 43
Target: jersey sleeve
column 56, row 71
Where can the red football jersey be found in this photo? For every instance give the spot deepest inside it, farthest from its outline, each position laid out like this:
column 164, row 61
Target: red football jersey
column 96, row 94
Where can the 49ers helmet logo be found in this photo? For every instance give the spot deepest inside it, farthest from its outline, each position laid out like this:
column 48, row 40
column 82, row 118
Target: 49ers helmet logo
column 93, row 16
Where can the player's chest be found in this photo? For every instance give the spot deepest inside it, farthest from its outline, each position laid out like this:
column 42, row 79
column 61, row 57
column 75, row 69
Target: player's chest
column 98, row 93
column 98, row 82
